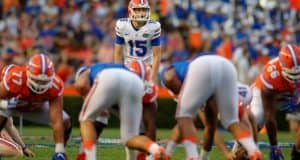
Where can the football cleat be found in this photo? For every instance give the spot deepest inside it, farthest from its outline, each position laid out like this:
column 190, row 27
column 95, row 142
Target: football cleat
column 255, row 156
column 295, row 155
column 81, row 156
column 160, row 154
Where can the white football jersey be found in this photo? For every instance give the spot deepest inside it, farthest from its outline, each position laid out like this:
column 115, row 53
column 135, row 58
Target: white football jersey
column 138, row 43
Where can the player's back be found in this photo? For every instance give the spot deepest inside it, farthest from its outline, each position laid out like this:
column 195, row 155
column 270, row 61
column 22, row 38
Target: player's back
column 95, row 69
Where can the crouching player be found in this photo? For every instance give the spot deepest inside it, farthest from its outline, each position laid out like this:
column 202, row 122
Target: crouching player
column 124, row 88
column 277, row 87
column 172, row 78
column 37, row 92
column 11, row 143
column 211, row 79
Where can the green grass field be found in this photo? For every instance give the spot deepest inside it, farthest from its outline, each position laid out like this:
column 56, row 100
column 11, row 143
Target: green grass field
column 40, row 141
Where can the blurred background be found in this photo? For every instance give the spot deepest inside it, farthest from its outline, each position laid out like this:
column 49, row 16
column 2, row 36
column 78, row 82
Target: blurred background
column 81, row 32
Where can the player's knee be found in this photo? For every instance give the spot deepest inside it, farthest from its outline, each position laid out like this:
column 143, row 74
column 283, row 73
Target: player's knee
column 227, row 123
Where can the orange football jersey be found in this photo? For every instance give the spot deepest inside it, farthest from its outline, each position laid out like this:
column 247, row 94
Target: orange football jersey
column 15, row 81
column 271, row 79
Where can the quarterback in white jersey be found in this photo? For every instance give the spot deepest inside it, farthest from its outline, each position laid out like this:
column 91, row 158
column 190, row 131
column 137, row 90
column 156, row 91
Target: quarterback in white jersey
column 138, row 38
column 139, row 35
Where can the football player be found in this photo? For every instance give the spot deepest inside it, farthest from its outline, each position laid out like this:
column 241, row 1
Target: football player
column 211, row 79
column 277, row 87
column 173, row 76
column 84, row 80
column 38, row 97
column 138, row 37
column 11, row 143
column 108, row 89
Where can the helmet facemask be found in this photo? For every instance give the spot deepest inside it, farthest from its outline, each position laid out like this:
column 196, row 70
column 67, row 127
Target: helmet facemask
column 140, row 13
column 292, row 75
column 39, row 84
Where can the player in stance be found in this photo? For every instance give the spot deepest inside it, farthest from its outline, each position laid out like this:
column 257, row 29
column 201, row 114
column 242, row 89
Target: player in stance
column 84, row 80
column 138, row 37
column 37, row 91
column 277, row 87
column 172, row 77
column 213, row 79
column 108, row 89
column 11, row 143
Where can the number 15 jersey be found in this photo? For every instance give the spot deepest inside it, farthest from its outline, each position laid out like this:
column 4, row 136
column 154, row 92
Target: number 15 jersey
column 138, row 42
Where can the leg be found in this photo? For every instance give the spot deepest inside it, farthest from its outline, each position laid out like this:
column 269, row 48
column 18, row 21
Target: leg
column 149, row 119
column 176, row 137
column 98, row 99
column 227, row 101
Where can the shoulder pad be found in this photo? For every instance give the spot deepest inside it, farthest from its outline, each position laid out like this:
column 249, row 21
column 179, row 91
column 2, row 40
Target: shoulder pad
column 120, row 25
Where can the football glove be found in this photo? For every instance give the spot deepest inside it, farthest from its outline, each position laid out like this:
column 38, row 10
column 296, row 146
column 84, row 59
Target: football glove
column 9, row 104
column 275, row 153
column 291, row 104
column 59, row 156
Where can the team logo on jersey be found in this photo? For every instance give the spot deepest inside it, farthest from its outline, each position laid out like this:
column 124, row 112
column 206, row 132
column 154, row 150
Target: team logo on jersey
column 271, row 68
column 146, row 35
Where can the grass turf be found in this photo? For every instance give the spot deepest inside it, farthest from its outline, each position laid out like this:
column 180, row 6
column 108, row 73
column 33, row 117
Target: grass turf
column 40, row 141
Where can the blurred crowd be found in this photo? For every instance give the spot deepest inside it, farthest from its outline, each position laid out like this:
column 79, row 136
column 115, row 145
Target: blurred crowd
column 81, row 32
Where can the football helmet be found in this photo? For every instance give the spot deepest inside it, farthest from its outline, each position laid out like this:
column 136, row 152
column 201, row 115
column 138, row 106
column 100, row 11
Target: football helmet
column 139, row 10
column 289, row 58
column 140, row 68
column 40, row 73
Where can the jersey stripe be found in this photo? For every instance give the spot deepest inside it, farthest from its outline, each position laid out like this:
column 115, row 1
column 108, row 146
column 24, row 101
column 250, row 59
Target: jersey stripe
column 5, row 76
column 156, row 35
column 143, row 71
column 43, row 63
column 293, row 55
column 266, row 84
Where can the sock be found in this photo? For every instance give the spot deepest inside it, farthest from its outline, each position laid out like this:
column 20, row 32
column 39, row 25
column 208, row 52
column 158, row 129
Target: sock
column 204, row 154
column 170, row 147
column 190, row 147
column 90, row 149
column 152, row 148
column 81, row 149
column 247, row 142
column 130, row 154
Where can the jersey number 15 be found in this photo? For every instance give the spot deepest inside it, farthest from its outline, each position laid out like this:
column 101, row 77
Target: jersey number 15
column 138, row 48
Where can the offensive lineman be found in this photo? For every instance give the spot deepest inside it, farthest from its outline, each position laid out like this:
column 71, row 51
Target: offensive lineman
column 108, row 89
column 172, row 77
column 277, row 87
column 211, row 78
column 38, row 94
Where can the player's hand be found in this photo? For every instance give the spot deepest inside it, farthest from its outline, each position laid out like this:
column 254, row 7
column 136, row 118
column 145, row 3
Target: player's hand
column 291, row 103
column 27, row 152
column 9, row 104
column 229, row 156
column 59, row 156
column 275, row 153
